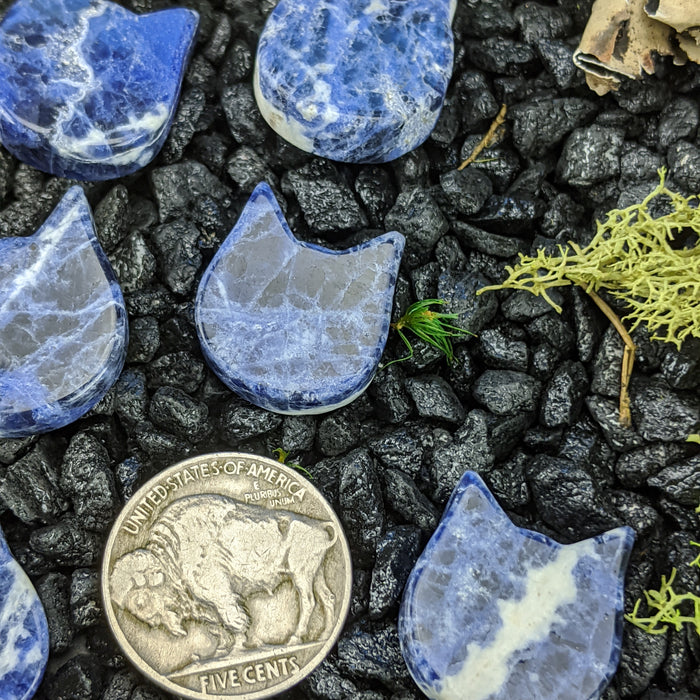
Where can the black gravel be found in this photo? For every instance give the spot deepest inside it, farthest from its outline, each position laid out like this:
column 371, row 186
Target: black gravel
column 530, row 403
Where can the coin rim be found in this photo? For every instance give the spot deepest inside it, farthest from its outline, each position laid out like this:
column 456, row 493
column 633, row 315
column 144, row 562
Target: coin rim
column 158, row 678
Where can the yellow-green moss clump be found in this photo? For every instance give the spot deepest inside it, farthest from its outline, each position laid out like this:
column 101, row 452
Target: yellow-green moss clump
column 668, row 608
column 632, row 257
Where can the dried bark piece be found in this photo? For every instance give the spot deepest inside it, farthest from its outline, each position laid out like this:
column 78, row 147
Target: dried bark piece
column 690, row 43
column 620, row 41
column 682, row 15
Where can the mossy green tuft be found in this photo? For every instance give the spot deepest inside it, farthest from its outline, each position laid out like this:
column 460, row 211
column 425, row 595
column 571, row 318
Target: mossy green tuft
column 431, row 326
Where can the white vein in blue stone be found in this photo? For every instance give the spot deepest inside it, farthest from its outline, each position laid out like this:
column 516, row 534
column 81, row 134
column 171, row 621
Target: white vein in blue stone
column 291, row 326
column 63, row 328
column 24, row 633
column 495, row 612
column 88, row 90
column 359, row 81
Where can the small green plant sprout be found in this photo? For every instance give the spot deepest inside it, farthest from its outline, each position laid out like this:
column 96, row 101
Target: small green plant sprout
column 431, row 326
column 645, row 261
column 668, row 608
column 282, row 456
column 695, row 437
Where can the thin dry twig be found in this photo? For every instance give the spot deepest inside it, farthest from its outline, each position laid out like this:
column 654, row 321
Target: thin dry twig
column 627, row 356
column 490, row 137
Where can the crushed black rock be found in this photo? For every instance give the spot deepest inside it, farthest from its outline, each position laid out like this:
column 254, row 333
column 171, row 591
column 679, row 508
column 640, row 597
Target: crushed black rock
column 531, row 403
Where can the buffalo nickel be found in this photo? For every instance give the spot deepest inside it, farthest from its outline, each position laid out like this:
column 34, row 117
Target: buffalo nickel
column 227, row 575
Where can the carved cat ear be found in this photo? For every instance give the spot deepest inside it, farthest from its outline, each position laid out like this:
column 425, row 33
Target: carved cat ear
column 88, row 90
column 291, row 326
column 528, row 617
column 612, row 549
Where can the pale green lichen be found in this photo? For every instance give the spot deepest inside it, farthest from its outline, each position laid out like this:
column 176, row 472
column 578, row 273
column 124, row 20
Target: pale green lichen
column 671, row 608
column 668, row 608
column 632, row 256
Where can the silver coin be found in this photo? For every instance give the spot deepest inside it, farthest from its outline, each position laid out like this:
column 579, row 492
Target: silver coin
column 227, row 575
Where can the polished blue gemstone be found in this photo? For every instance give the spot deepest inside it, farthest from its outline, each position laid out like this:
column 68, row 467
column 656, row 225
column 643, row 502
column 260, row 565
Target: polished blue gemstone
column 88, row 89
column 24, row 634
column 495, row 611
column 63, row 328
column 360, row 81
column 291, row 326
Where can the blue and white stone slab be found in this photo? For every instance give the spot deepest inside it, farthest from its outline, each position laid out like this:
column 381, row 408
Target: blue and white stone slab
column 290, row 326
column 24, row 633
column 493, row 611
column 88, row 89
column 63, row 325
column 360, row 81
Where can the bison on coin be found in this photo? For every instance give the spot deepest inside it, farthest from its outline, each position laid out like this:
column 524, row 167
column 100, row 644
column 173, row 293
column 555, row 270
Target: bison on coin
column 206, row 554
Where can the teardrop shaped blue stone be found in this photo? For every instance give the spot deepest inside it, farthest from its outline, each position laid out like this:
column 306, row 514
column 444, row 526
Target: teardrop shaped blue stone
column 495, row 611
column 24, row 632
column 88, row 90
column 291, row 326
column 63, row 325
column 360, row 81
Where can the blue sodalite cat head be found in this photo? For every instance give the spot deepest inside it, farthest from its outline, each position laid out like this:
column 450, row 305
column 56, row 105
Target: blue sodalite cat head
column 360, row 81
column 63, row 327
column 24, row 632
column 499, row 612
column 291, row 326
column 88, row 89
